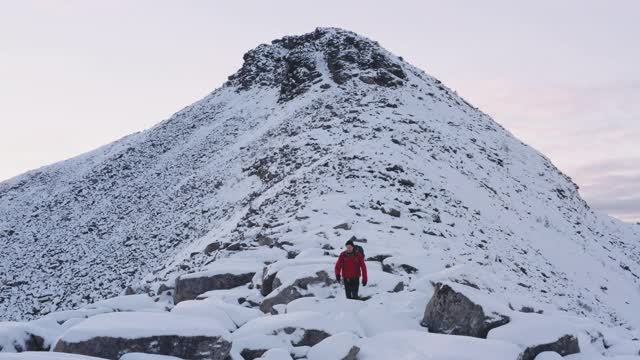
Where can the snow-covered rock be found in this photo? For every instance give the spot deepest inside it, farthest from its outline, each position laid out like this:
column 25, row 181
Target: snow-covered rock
column 325, row 306
column 341, row 346
column 205, row 309
column 140, row 302
column 43, row 355
column 548, row 355
column 254, row 345
column 304, row 328
column 276, row 354
column 462, row 310
column 539, row 333
column 219, row 276
column 144, row 356
column 114, row 334
column 229, row 315
column 423, row 345
column 297, row 281
column 18, row 337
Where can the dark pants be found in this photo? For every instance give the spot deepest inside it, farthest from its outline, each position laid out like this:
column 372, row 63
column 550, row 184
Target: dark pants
column 351, row 286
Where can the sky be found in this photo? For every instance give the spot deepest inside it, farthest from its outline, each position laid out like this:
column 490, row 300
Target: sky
column 562, row 76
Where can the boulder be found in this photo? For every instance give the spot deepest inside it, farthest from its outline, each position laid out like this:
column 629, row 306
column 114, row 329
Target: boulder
column 267, row 281
column 143, row 356
column 112, row 335
column 537, row 334
column 412, row 344
column 45, row 355
column 549, row 355
column 304, row 328
column 391, row 212
column 230, row 316
column 452, row 310
column 19, row 337
column 270, row 271
column 276, row 354
column 295, row 279
column 285, row 293
column 223, row 275
column 251, row 354
column 343, row 226
column 565, row 345
column 253, row 346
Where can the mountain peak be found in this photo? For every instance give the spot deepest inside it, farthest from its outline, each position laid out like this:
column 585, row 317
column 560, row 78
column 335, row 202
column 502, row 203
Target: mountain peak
column 324, row 57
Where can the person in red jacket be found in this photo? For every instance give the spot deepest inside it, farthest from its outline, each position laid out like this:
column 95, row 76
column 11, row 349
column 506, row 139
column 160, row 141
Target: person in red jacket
column 350, row 265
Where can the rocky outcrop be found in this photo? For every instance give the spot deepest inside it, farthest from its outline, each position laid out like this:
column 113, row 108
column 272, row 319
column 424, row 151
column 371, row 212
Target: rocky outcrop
column 451, row 312
column 292, row 63
column 190, row 286
column 565, row 345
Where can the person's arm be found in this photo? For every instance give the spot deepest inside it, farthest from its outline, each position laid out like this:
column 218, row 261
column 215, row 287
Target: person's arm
column 363, row 269
column 338, row 268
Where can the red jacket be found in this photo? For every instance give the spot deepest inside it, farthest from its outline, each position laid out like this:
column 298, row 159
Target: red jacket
column 351, row 264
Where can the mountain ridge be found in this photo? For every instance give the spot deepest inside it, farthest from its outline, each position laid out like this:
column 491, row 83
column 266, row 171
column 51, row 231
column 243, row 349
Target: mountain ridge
column 326, row 121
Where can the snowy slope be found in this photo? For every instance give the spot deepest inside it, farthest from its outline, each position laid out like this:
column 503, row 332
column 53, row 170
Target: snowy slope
column 312, row 132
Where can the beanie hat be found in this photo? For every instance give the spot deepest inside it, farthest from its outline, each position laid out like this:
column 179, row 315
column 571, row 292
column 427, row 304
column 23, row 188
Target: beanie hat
column 349, row 242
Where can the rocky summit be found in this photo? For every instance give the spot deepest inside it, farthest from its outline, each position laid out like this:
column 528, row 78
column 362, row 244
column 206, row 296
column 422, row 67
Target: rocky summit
column 318, row 139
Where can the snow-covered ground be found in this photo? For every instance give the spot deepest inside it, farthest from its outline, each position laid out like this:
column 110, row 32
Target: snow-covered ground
column 318, row 139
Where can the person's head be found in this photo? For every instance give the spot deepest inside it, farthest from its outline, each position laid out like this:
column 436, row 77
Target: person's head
column 349, row 245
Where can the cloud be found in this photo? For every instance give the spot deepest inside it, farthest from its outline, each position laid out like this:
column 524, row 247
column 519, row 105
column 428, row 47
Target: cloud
column 613, row 187
column 590, row 132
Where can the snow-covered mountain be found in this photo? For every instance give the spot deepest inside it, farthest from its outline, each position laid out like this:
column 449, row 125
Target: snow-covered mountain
column 316, row 139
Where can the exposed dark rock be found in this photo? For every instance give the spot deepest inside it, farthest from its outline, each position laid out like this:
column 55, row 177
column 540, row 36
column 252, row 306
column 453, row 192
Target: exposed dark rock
column 299, row 73
column 267, row 281
column 23, row 341
column 188, row 288
column 352, row 354
column 408, row 269
column 451, row 312
column 284, row 296
column 185, row 347
column 391, row 212
column 399, row 287
column 214, row 246
column 395, row 168
column 355, row 239
column 379, row 258
column 129, row 291
column 312, row 337
column 264, row 240
column 387, row 268
column 566, row 345
column 343, row 226
column 406, row 182
column 251, row 354
column 162, row 288
column 290, row 63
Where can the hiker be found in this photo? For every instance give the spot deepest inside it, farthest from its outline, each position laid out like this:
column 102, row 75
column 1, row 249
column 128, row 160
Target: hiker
column 349, row 266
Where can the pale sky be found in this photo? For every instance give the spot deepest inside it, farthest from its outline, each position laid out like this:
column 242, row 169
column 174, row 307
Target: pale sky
column 563, row 76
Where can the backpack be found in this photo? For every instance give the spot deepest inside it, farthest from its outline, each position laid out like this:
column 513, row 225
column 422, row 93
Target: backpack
column 358, row 248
